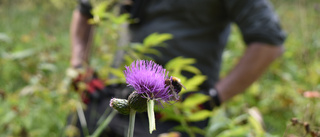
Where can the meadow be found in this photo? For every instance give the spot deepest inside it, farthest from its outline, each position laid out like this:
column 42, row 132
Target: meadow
column 36, row 98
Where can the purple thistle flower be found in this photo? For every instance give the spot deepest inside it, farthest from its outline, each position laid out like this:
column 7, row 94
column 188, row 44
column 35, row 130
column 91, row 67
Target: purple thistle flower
column 148, row 79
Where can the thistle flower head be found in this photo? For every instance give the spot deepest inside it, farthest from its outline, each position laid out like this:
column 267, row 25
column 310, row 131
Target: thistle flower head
column 148, row 79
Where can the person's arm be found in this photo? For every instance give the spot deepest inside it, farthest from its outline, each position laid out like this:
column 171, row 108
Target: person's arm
column 264, row 37
column 256, row 59
column 80, row 33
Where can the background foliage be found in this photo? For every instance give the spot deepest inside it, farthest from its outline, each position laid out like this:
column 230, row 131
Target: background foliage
column 34, row 56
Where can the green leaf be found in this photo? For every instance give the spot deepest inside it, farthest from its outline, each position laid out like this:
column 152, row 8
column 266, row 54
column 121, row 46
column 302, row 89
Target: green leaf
column 151, row 51
column 199, row 116
column 239, row 131
column 117, row 72
column 47, row 66
column 256, row 126
column 128, row 59
column 216, row 128
column 169, row 113
column 121, row 19
column 138, row 47
column 100, row 9
column 179, row 62
column 218, row 122
column 8, row 117
column 193, row 83
column 172, row 117
column 155, row 39
column 179, row 128
column 192, row 69
column 5, row 38
column 198, row 130
column 195, row 100
column 20, row 54
column 116, row 19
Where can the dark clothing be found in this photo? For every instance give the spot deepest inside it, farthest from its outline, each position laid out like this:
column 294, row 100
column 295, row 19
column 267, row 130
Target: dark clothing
column 201, row 28
column 85, row 8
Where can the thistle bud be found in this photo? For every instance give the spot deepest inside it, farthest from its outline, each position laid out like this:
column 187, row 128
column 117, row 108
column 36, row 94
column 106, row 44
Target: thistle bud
column 137, row 102
column 121, row 105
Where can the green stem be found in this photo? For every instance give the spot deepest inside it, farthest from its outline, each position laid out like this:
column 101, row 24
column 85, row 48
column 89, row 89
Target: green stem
column 82, row 119
column 104, row 124
column 184, row 123
column 132, row 118
column 104, row 115
column 150, row 110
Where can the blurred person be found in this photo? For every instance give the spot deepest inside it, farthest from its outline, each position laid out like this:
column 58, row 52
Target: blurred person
column 200, row 30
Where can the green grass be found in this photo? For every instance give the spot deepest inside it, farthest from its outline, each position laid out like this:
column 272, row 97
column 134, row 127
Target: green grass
column 38, row 37
column 33, row 60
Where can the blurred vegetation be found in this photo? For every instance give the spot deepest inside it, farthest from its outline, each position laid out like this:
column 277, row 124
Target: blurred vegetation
column 35, row 52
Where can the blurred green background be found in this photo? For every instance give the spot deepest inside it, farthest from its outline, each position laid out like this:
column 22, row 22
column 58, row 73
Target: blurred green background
column 35, row 52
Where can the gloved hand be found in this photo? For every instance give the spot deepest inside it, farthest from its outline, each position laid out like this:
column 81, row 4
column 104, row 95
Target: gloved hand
column 94, row 87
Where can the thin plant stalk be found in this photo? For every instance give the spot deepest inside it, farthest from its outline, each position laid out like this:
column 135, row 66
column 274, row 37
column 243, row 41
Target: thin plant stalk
column 104, row 115
column 184, row 123
column 104, row 124
column 132, row 118
column 150, row 110
column 82, row 119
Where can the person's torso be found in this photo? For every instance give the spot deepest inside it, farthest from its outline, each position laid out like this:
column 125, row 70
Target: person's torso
column 200, row 29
